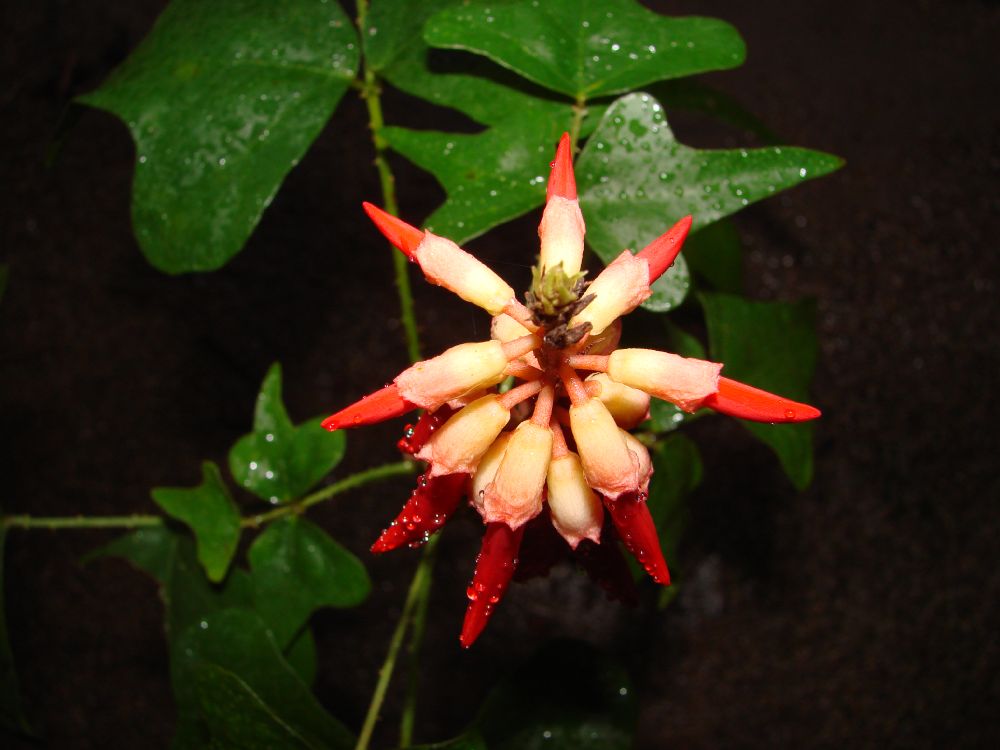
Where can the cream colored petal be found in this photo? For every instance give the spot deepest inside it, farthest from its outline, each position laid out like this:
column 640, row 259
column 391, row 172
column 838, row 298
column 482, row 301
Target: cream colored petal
column 628, row 406
column 456, row 372
column 458, row 444
column 487, row 470
column 679, row 380
column 576, row 510
column 619, row 289
column 561, row 232
column 514, row 496
column 609, row 465
column 446, row 264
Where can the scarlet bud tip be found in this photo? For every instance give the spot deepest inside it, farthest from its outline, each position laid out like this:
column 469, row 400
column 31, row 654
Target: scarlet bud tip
column 746, row 402
column 663, row 251
column 562, row 182
column 375, row 407
column 398, row 232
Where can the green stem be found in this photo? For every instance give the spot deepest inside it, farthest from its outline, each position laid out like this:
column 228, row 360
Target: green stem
column 417, row 593
column 408, row 719
column 141, row 521
column 371, row 93
column 82, row 522
column 347, row 483
column 579, row 112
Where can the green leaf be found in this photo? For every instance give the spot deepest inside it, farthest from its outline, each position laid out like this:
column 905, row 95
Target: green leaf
column 210, row 513
column 150, row 549
column 568, row 696
column 301, row 656
column 769, row 345
column 635, row 180
column 11, row 715
column 715, row 254
column 278, row 461
column 586, row 48
column 238, row 642
column 222, row 99
column 235, row 716
column 296, row 569
column 490, row 177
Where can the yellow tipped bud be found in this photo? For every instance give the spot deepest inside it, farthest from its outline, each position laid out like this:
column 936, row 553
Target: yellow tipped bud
column 610, row 467
column 446, row 264
column 679, row 380
column 618, row 289
column 458, row 444
column 561, row 233
column 577, row 512
column 456, row 372
column 628, row 406
column 514, row 496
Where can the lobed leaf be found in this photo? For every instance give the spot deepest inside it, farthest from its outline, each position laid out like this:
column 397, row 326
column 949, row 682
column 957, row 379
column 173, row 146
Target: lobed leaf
column 296, row 568
column 587, row 48
column 222, row 99
column 635, row 179
column 238, row 642
column 212, row 516
column 279, row 461
column 769, row 345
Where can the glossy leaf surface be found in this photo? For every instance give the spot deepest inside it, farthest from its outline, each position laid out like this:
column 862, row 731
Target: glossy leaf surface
column 238, row 642
column 769, row 345
column 492, row 176
column 210, row 513
column 222, row 99
column 588, row 48
column 635, row 179
column 296, row 568
column 678, row 468
column 279, row 461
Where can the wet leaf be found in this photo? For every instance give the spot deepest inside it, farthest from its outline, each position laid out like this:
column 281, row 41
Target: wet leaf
column 222, row 99
column 238, row 642
column 490, row 177
column 279, row 461
column 210, row 513
column 770, row 345
column 586, row 48
column 296, row 568
column 635, row 180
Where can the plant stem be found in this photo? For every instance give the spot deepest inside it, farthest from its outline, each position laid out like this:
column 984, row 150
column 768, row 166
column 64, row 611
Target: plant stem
column 371, row 93
column 579, row 112
column 417, row 593
column 82, row 522
column 142, row 521
column 413, row 650
column 360, row 479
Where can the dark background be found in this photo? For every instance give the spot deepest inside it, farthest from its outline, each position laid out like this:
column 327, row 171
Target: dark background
column 861, row 613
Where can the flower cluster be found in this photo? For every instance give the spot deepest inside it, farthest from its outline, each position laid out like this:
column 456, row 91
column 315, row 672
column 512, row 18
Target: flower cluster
column 554, row 448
